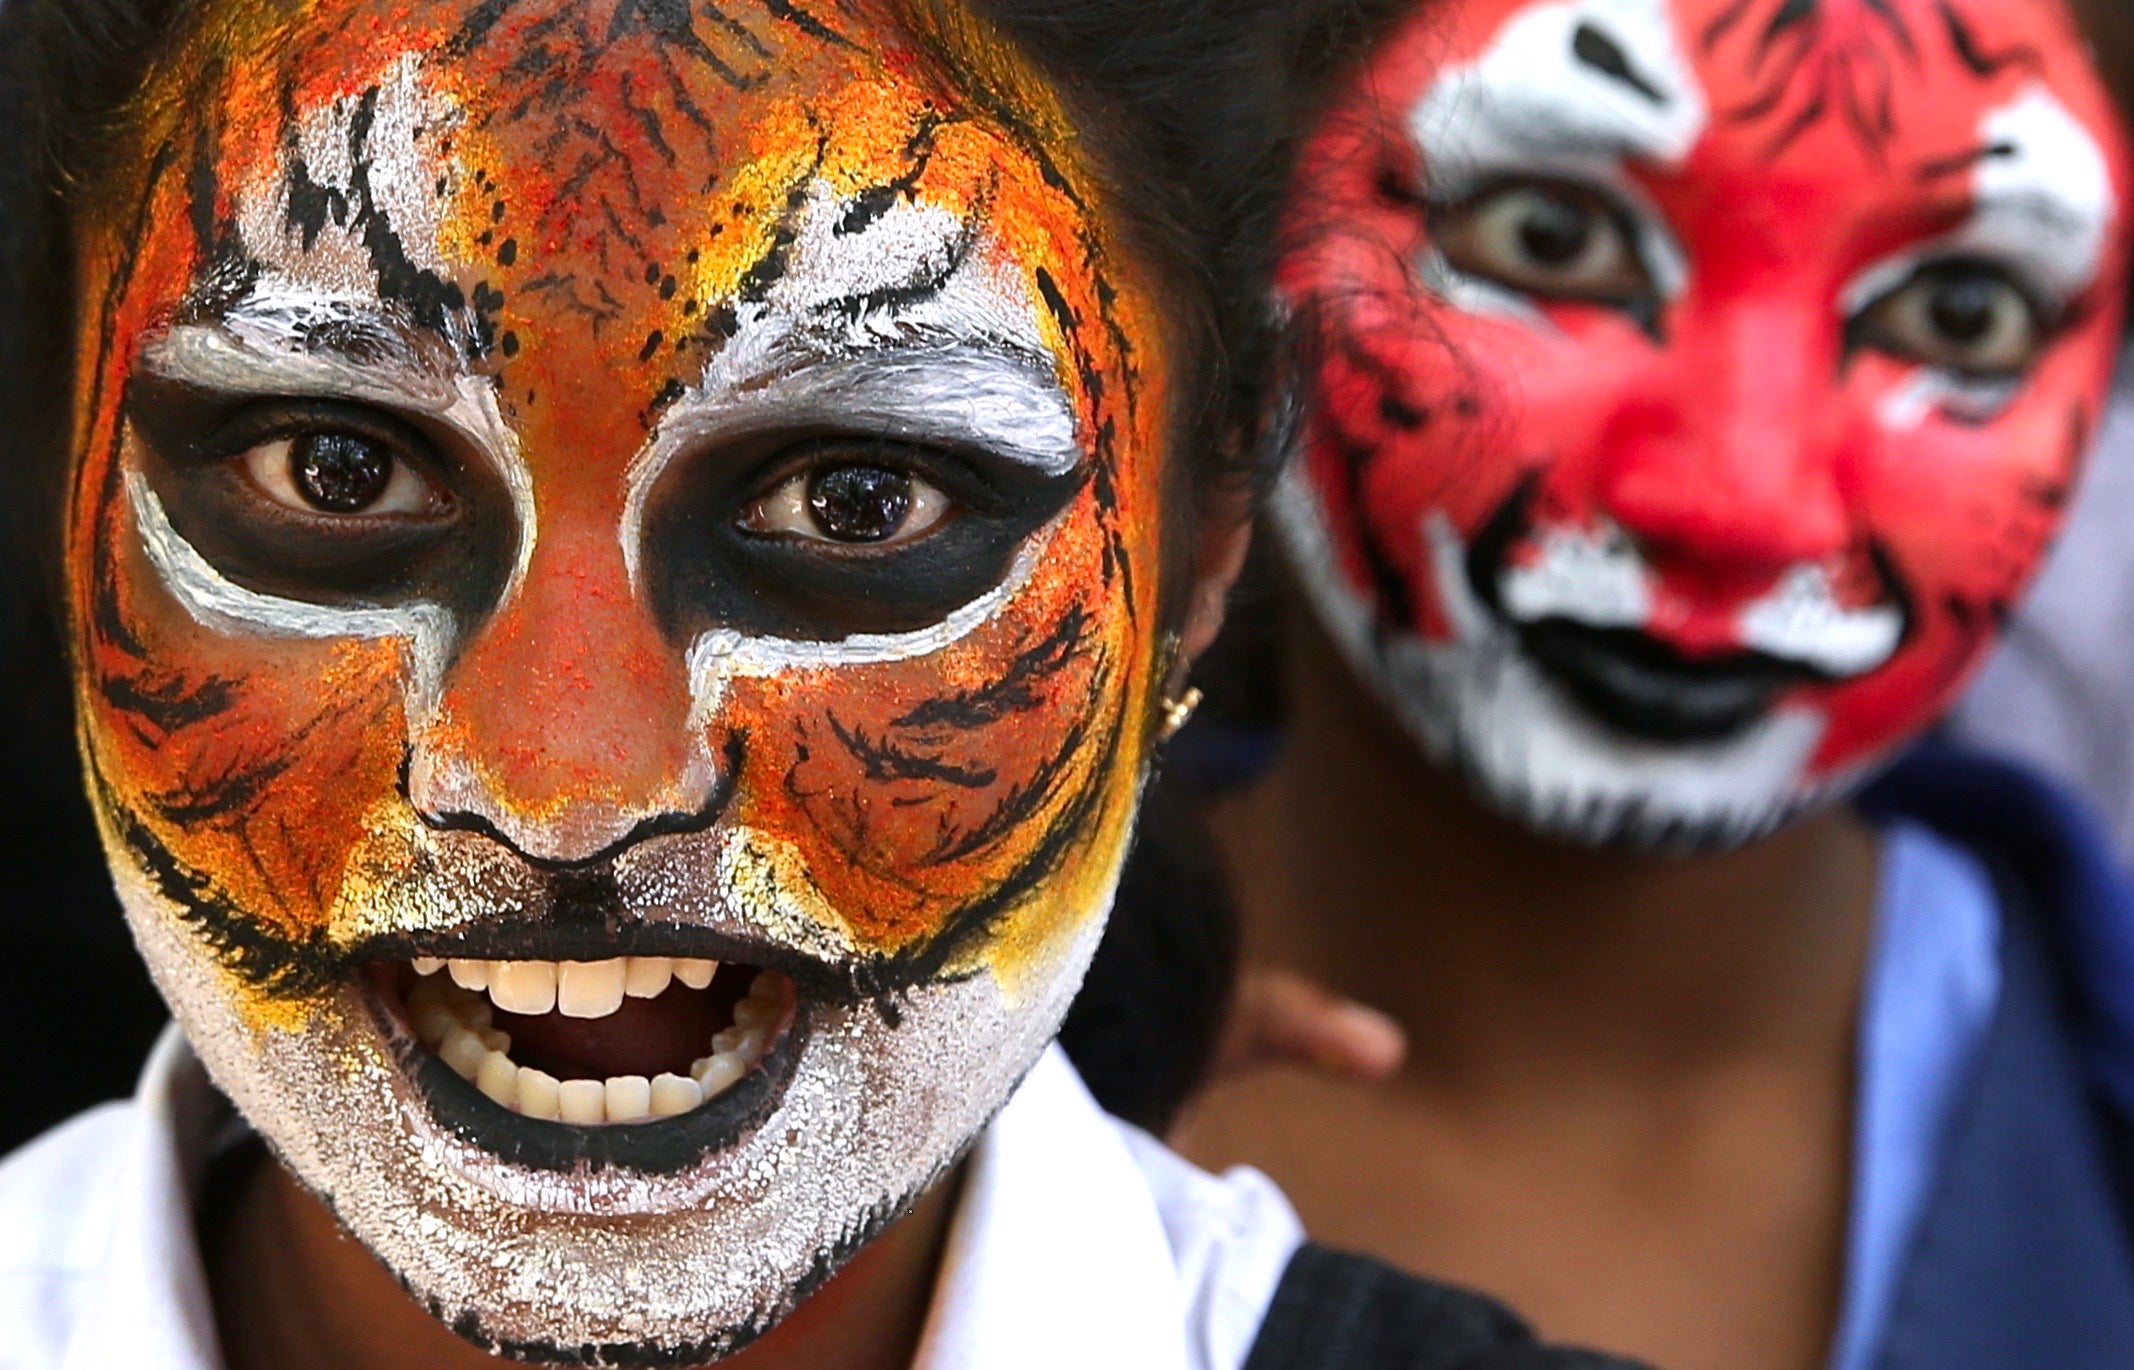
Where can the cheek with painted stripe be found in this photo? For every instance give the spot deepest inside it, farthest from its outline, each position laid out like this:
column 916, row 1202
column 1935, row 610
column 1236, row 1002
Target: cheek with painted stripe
column 277, row 765
column 925, row 790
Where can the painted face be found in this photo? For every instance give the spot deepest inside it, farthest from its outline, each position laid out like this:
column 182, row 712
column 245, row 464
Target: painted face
column 590, row 491
column 1696, row 383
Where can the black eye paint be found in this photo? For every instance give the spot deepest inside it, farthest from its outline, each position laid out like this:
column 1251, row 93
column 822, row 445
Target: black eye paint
column 193, row 444
column 706, row 569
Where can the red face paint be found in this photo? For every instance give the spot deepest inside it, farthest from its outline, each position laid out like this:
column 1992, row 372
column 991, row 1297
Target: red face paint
column 1697, row 383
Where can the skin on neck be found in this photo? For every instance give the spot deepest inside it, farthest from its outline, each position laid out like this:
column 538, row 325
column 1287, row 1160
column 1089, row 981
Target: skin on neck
column 291, row 1287
column 1627, row 1102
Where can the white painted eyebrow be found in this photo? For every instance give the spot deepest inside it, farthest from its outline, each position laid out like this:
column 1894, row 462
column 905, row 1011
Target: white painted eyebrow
column 974, row 396
column 2048, row 196
column 298, row 342
column 957, row 395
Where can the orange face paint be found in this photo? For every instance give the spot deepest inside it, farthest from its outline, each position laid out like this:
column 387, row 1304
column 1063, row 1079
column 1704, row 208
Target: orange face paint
column 561, row 480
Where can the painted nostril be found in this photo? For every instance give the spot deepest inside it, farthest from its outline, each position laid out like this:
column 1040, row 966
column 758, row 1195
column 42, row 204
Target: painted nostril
column 577, row 837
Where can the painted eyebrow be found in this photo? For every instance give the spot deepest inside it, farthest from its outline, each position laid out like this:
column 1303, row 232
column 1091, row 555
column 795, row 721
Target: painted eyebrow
column 304, row 344
column 2043, row 204
column 982, row 395
column 961, row 394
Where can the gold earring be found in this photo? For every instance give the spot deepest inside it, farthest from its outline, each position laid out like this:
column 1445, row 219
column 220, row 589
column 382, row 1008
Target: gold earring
column 1179, row 712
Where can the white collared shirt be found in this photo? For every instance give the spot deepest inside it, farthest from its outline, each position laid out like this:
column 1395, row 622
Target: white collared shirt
column 1077, row 1241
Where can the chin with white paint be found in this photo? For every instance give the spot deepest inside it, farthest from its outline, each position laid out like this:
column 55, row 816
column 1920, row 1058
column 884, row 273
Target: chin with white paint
column 1685, row 408
column 615, row 710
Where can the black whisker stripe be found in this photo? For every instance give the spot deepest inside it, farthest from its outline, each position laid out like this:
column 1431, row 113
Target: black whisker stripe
column 1017, row 690
column 787, row 12
column 1981, row 63
column 106, row 614
column 166, row 701
column 974, row 922
column 884, row 760
column 1723, row 23
column 1019, row 805
column 647, row 118
column 278, row 966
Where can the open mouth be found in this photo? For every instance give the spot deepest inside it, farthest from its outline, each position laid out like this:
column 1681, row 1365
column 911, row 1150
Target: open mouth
column 1639, row 685
column 648, row 1062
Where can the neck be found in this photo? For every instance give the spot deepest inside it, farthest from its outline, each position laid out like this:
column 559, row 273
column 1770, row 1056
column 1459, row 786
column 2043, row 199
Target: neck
column 291, row 1288
column 1366, row 867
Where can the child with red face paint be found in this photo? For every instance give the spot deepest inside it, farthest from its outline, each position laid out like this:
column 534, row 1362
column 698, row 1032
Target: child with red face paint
column 625, row 565
column 1686, row 391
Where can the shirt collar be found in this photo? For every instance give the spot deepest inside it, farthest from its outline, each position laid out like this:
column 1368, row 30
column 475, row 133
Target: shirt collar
column 1057, row 1258
column 153, row 1308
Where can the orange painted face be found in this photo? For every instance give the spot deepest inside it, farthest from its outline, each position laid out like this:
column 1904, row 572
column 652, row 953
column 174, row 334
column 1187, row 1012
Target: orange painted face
column 566, row 481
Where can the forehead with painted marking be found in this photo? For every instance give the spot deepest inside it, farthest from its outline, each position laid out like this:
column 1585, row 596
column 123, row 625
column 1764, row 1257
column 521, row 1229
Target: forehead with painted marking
column 1990, row 101
column 551, row 192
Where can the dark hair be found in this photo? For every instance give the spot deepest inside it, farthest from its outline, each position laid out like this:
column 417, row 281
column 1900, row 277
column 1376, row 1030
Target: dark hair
column 1186, row 109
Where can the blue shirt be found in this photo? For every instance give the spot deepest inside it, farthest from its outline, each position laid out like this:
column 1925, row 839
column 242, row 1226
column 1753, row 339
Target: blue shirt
column 1932, row 984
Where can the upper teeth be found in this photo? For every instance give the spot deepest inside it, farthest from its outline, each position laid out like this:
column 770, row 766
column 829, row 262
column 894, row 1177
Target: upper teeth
column 576, row 989
column 456, row 1024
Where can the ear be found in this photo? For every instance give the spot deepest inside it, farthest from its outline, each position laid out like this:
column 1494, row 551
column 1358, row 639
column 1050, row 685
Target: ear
column 1218, row 557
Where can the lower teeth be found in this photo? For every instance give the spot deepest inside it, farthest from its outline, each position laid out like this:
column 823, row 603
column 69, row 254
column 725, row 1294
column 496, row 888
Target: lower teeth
column 455, row 1023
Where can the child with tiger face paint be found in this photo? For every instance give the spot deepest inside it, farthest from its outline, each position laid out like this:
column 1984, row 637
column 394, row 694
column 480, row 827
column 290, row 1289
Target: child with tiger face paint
column 1686, row 391
column 623, row 578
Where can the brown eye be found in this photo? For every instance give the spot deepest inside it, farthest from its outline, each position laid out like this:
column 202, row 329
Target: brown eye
column 853, row 503
column 1969, row 318
column 340, row 474
column 1546, row 240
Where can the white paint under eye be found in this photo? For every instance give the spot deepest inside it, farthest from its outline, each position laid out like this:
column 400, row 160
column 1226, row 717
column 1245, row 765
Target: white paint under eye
column 1592, row 576
column 259, row 348
column 723, row 654
column 1478, row 295
column 963, row 367
column 1802, row 620
column 220, row 604
column 1930, row 392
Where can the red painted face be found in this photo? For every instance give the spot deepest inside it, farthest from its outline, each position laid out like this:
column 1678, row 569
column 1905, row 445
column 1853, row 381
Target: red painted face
column 1698, row 382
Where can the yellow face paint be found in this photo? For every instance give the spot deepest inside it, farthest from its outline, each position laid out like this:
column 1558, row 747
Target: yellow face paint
column 571, row 480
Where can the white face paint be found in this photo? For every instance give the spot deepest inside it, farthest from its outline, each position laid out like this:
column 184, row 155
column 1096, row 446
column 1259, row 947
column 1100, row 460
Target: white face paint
column 1574, row 90
column 511, row 722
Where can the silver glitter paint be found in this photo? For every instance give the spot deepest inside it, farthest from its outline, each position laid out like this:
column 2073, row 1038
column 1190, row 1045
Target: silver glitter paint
column 963, row 366
column 216, row 602
column 873, row 1116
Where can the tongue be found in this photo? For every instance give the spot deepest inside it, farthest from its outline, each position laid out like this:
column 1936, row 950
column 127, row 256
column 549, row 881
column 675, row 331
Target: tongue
column 644, row 1037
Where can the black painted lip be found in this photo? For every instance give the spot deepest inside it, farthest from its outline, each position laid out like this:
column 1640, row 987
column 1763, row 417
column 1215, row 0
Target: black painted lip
column 1629, row 680
column 1643, row 687
column 663, row 1146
